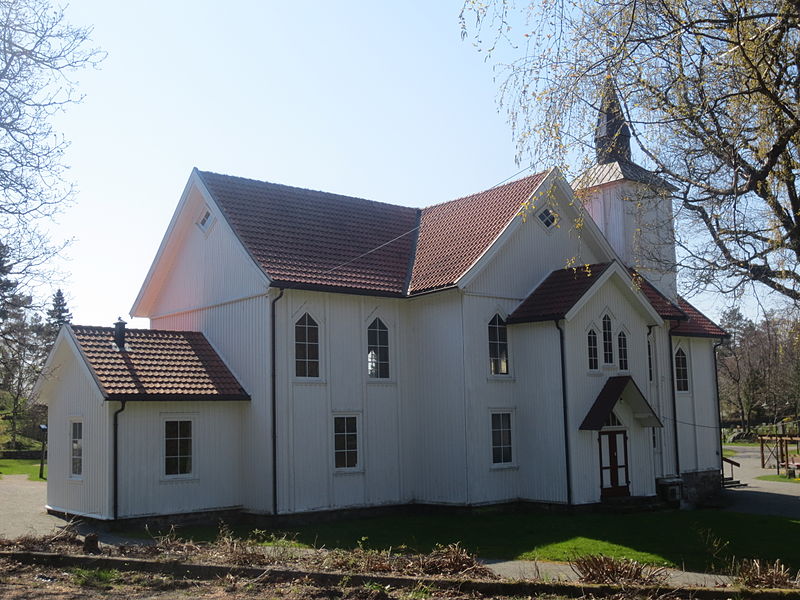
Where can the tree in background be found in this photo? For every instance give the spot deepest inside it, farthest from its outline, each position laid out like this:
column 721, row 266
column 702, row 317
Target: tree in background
column 39, row 53
column 711, row 90
column 57, row 316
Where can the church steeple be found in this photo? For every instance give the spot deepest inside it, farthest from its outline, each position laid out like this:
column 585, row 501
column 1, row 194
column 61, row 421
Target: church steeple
column 612, row 138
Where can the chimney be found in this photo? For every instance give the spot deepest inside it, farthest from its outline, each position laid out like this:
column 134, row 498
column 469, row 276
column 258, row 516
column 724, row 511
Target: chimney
column 119, row 333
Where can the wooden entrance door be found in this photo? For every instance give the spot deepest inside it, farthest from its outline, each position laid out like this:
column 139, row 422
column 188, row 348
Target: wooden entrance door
column 614, row 479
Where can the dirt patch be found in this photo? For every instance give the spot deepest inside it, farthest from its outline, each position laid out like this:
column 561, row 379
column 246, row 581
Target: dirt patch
column 32, row 582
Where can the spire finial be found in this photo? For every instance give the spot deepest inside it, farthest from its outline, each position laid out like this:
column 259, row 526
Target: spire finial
column 612, row 138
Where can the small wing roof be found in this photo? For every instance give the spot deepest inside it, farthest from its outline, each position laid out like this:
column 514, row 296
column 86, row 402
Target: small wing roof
column 557, row 294
column 156, row 365
column 697, row 324
column 616, row 388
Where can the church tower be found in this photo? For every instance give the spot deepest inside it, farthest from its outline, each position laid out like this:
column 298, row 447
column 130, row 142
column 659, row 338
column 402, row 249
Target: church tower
column 630, row 205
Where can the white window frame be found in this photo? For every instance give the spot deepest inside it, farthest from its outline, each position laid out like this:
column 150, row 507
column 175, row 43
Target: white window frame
column 512, row 464
column 320, row 347
column 597, row 340
column 551, row 212
column 193, row 474
column 359, row 466
column 627, row 338
column 389, row 363
column 72, row 422
column 206, row 219
column 502, row 316
column 687, row 357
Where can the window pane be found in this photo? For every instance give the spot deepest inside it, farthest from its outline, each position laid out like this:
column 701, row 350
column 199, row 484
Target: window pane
column 372, row 337
column 497, row 455
column 384, row 370
column 185, row 428
column 171, row 429
column 341, row 461
column 299, row 333
column 171, row 466
column 339, row 425
column 313, row 369
column 171, row 448
column 313, row 335
column 185, row 465
column 186, row 447
column 352, row 460
column 352, row 442
column 338, row 442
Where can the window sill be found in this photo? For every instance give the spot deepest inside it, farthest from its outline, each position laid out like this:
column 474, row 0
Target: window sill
column 178, row 478
column 505, row 467
column 356, row 471
column 74, row 479
column 309, row 380
column 381, row 381
column 594, row 373
column 501, row 378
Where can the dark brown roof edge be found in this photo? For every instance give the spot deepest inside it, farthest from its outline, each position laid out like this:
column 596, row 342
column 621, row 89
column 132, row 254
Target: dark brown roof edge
column 323, row 287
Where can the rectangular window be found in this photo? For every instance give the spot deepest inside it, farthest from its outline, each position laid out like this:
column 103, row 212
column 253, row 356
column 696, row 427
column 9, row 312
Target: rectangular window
column 76, row 454
column 177, row 448
column 345, row 442
column 501, row 438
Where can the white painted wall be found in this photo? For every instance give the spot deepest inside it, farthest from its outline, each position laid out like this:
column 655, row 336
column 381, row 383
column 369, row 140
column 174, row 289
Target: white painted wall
column 218, row 474
column 71, row 393
column 584, row 385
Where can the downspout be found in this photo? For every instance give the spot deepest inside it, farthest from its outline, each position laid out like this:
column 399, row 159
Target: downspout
column 274, row 403
column 719, row 409
column 567, row 461
column 674, row 401
column 116, row 459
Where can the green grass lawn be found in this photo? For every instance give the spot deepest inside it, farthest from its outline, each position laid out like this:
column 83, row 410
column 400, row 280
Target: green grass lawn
column 780, row 478
column 728, row 453
column 683, row 539
column 21, row 466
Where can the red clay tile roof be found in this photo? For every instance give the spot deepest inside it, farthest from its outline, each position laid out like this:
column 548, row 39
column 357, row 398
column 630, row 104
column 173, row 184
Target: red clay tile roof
column 157, row 365
column 453, row 235
column 309, row 239
column 558, row 293
column 698, row 325
column 662, row 305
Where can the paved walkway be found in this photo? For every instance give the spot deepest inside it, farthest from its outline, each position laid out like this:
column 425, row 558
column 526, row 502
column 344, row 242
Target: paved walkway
column 760, row 497
column 22, row 508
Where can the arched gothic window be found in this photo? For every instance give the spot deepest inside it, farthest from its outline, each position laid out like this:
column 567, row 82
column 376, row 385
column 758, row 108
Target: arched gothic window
column 306, row 347
column 498, row 346
column 378, row 350
column 591, row 345
column 608, row 343
column 681, row 371
column 622, row 351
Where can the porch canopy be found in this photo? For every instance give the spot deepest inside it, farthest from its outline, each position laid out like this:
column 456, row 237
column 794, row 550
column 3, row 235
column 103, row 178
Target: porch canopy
column 617, row 388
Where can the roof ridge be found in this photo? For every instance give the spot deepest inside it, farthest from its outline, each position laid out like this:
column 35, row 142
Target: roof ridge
column 294, row 187
column 137, row 329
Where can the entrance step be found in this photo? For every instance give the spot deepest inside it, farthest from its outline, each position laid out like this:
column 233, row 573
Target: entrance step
column 730, row 482
column 631, row 504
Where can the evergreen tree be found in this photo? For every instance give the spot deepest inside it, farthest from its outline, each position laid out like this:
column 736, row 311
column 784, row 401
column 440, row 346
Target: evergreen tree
column 57, row 316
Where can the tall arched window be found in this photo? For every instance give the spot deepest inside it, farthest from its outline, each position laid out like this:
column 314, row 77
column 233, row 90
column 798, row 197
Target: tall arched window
column 498, row 346
column 608, row 343
column 681, row 371
column 378, row 350
column 306, row 347
column 591, row 345
column 622, row 351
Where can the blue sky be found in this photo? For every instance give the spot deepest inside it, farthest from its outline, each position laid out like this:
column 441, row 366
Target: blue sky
column 370, row 99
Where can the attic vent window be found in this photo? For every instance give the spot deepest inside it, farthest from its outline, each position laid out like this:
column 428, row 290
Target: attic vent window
column 206, row 220
column 547, row 217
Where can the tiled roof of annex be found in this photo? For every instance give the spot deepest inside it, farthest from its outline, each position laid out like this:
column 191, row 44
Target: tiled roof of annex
column 157, row 365
column 317, row 240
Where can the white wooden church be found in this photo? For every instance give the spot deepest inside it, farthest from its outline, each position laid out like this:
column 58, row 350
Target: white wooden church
column 311, row 352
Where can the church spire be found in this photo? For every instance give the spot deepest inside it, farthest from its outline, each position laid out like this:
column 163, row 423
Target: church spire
column 612, row 138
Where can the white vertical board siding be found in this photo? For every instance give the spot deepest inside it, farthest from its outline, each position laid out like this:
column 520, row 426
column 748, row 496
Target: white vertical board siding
column 663, row 404
column 240, row 333
column 528, row 256
column 583, row 387
column 698, row 421
column 204, row 268
column 216, row 458
column 70, row 392
column 308, row 479
column 434, row 420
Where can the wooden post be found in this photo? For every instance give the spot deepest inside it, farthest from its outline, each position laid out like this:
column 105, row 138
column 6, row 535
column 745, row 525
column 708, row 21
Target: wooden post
column 761, row 442
column 43, row 429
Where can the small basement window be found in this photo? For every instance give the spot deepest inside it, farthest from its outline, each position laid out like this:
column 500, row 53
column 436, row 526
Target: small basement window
column 547, row 217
